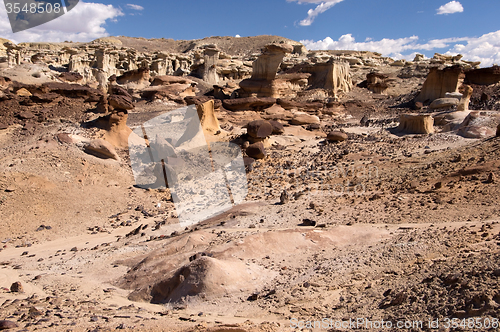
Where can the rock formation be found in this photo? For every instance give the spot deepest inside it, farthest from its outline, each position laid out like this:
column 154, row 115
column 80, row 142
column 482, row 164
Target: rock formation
column 479, row 125
column 263, row 81
column 337, row 136
column 483, row 76
column 416, row 124
column 439, row 82
column 210, row 67
column 463, row 106
column 333, row 75
column 208, row 120
column 377, row 82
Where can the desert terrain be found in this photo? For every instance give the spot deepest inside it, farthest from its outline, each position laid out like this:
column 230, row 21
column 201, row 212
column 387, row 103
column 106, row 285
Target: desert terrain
column 371, row 189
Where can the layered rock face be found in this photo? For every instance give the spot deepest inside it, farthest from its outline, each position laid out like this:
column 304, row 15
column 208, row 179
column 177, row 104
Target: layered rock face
column 210, row 67
column 333, row 75
column 439, row 82
column 483, row 76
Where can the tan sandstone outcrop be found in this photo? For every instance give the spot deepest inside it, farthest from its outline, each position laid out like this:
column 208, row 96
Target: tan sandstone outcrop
column 439, row 82
column 416, row 124
column 208, row 120
column 211, row 55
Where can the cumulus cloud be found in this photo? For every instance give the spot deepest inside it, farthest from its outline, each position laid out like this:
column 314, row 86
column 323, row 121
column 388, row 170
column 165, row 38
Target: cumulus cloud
column 84, row 23
column 134, row 7
column 322, row 7
column 450, row 8
column 485, row 48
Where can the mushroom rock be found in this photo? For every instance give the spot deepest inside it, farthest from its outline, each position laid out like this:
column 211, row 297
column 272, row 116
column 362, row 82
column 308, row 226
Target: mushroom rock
column 266, row 65
column 439, row 82
column 211, row 55
column 264, row 82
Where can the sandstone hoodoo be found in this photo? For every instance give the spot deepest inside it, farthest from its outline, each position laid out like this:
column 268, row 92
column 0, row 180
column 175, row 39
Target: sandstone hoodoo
column 416, row 124
column 210, row 66
column 233, row 184
column 256, row 151
column 439, row 82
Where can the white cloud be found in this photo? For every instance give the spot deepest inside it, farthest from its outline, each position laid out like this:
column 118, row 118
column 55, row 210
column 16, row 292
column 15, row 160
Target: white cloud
column 485, row 48
column 450, row 8
column 84, row 23
column 134, row 7
column 322, row 7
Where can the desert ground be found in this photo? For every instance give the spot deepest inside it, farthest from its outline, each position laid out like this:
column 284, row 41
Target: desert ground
column 371, row 197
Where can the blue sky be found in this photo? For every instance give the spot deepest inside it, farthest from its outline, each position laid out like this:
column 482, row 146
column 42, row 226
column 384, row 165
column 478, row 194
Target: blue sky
column 393, row 27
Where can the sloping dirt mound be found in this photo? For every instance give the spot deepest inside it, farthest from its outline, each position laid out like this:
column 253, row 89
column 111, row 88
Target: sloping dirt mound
column 230, row 45
column 205, row 277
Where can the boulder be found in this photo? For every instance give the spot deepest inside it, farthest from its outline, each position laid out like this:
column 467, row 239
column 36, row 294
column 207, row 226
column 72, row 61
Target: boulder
column 443, row 103
column 288, row 104
column 17, row 287
column 198, row 100
column 118, row 90
column 337, row 136
column 479, row 125
column 483, row 76
column 498, row 130
column 256, row 151
column 259, row 129
column 45, row 97
column 102, row 149
column 416, row 124
column 175, row 92
column 278, row 128
column 168, row 79
column 439, row 82
column 456, row 95
column 120, row 102
column 7, row 325
column 450, row 120
column 208, row 120
column 71, row 77
column 72, row 90
column 23, row 92
column 304, row 119
column 248, row 103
